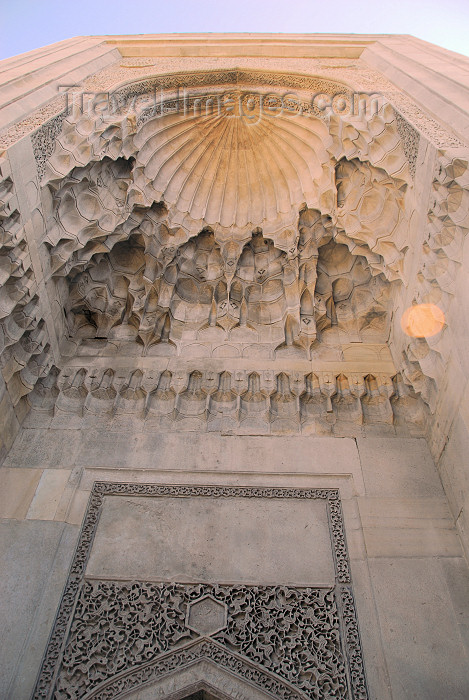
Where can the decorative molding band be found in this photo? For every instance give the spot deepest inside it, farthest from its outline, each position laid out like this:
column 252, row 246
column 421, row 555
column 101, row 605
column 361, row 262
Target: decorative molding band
column 43, row 140
column 358, row 76
column 178, row 660
column 238, row 402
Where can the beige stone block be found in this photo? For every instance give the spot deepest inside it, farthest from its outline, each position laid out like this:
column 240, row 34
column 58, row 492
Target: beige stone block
column 351, row 513
column 462, row 524
column 221, row 454
column 221, row 478
column 9, row 425
column 456, row 573
column 356, row 545
column 379, row 685
column 453, row 465
column 411, row 542
column 44, row 448
column 365, row 355
column 111, row 449
column 407, row 527
column 77, row 508
column 48, row 494
column 224, row 540
column 423, row 646
column 35, row 557
column 405, row 512
column 68, row 494
column 464, row 406
column 17, row 488
column 450, row 397
column 397, row 467
column 31, row 87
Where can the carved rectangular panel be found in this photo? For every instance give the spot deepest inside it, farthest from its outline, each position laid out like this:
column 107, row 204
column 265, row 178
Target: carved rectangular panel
column 116, row 638
column 206, row 539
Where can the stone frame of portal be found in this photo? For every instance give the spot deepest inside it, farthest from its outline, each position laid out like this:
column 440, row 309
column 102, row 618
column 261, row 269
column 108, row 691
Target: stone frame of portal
column 351, row 635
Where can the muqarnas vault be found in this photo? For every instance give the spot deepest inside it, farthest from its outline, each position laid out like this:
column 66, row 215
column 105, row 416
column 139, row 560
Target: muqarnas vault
column 230, row 469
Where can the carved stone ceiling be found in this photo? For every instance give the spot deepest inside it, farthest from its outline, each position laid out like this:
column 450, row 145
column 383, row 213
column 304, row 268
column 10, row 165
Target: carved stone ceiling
column 236, row 235
column 233, row 172
column 244, row 227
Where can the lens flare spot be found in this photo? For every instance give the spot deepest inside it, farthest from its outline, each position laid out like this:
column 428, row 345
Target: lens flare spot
column 422, row 320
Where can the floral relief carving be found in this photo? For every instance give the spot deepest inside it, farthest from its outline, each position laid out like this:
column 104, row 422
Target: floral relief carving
column 293, row 633
column 165, row 665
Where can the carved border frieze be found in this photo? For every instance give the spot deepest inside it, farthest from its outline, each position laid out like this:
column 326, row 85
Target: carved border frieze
column 410, row 140
column 43, row 140
column 212, row 399
column 179, row 659
column 355, row 72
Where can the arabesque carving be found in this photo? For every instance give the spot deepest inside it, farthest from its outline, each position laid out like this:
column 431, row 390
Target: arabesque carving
column 293, row 633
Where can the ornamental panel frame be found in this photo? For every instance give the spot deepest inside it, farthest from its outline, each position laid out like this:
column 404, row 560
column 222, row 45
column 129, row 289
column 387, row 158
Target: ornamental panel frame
column 304, row 626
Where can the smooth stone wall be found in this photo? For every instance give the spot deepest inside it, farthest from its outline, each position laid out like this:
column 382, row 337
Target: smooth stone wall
column 199, row 539
column 411, row 581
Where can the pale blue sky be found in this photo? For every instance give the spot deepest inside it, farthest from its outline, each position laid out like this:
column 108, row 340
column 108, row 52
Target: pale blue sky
column 29, row 24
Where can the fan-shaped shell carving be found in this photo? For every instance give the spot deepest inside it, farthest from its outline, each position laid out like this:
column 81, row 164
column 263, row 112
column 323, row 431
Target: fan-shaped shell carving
column 223, row 170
